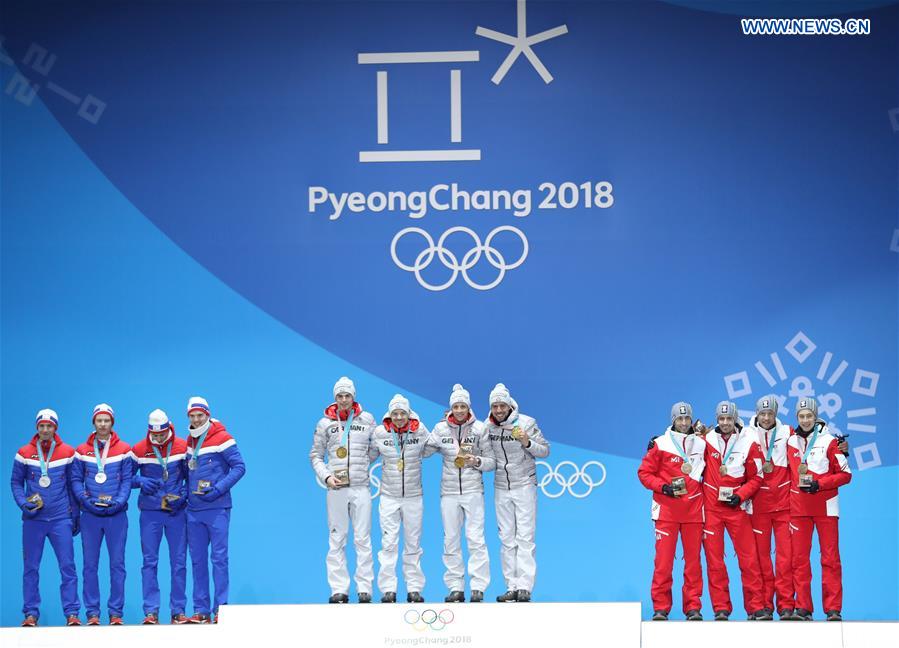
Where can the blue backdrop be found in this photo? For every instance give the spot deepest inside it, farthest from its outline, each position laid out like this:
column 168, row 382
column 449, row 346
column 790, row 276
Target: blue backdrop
column 159, row 241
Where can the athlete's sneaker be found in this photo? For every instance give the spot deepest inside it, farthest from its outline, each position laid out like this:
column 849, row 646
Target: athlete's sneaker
column 524, row 596
column 761, row 615
column 115, row 620
column 722, row 615
column 786, row 614
column 93, row 620
column 834, row 615
column 456, row 596
column 694, row 615
column 477, row 596
column 508, row 597
column 201, row 618
column 30, row 621
column 414, row 597
column 800, row 614
column 152, row 618
column 339, row 598
column 659, row 615
column 73, row 620
column 180, row 619
column 389, row 597
column 364, row 597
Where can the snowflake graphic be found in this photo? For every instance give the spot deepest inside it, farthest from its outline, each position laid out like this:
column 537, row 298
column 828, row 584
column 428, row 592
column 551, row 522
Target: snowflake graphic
column 827, row 385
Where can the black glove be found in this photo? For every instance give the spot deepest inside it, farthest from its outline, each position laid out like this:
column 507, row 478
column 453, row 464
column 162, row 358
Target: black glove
column 814, row 487
column 734, row 501
column 652, row 442
column 668, row 490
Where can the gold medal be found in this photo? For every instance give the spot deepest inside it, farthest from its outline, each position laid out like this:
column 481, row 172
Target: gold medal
column 400, row 465
column 516, row 433
column 723, row 470
column 768, row 467
column 341, row 452
column 803, row 468
column 459, row 461
column 686, row 468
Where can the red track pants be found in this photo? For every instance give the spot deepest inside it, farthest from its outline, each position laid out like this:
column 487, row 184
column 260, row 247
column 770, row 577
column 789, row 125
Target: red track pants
column 739, row 528
column 778, row 577
column 666, row 543
column 831, row 568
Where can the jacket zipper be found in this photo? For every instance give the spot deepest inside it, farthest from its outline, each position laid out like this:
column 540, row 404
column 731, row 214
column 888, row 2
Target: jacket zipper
column 403, row 471
column 460, row 470
column 505, row 456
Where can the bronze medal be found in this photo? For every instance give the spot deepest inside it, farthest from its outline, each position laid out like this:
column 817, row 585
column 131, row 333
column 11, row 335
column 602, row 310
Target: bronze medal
column 722, row 470
column 768, row 467
column 803, row 468
column 341, row 452
column 686, row 468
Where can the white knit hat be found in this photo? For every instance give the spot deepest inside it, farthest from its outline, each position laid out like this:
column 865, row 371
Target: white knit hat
column 103, row 408
column 399, row 402
column 501, row 395
column 47, row 416
column 460, row 395
column 344, row 386
column 158, row 422
column 197, row 403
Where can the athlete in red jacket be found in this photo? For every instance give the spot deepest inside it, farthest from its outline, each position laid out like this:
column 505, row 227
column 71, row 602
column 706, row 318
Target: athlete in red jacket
column 676, row 454
column 771, row 507
column 817, row 469
column 733, row 474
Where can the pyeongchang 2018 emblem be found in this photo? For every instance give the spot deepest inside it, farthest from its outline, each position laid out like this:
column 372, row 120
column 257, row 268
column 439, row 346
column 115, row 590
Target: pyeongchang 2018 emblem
column 425, row 251
column 825, row 378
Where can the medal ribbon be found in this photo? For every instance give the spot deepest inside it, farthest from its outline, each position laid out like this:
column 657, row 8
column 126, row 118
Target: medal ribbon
column 101, row 464
column 729, row 452
column 40, row 455
column 771, row 444
column 346, row 428
column 396, row 441
column 681, row 450
column 809, row 444
column 163, row 461
column 199, row 446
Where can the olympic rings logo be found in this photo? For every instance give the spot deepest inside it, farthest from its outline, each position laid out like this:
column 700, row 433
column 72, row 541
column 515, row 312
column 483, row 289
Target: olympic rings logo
column 430, row 618
column 554, row 483
column 451, row 262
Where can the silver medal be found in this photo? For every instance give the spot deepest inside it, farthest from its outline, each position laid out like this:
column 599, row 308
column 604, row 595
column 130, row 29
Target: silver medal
column 192, row 464
column 44, row 481
column 100, row 477
column 165, row 475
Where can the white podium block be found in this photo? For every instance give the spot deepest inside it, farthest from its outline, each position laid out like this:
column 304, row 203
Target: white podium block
column 737, row 634
column 480, row 625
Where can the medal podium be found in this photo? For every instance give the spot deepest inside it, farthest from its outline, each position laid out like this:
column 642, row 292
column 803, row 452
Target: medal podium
column 484, row 625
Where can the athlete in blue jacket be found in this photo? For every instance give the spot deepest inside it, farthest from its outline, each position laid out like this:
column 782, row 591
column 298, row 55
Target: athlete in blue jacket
column 41, row 485
column 160, row 472
column 101, row 480
column 214, row 466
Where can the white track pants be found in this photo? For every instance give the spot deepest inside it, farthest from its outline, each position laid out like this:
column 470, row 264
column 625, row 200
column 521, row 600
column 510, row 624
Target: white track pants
column 470, row 508
column 395, row 511
column 345, row 505
column 516, row 516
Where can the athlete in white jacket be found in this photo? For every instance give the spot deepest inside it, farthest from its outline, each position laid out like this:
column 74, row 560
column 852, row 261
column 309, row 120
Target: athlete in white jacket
column 462, row 441
column 340, row 457
column 401, row 441
column 516, row 441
